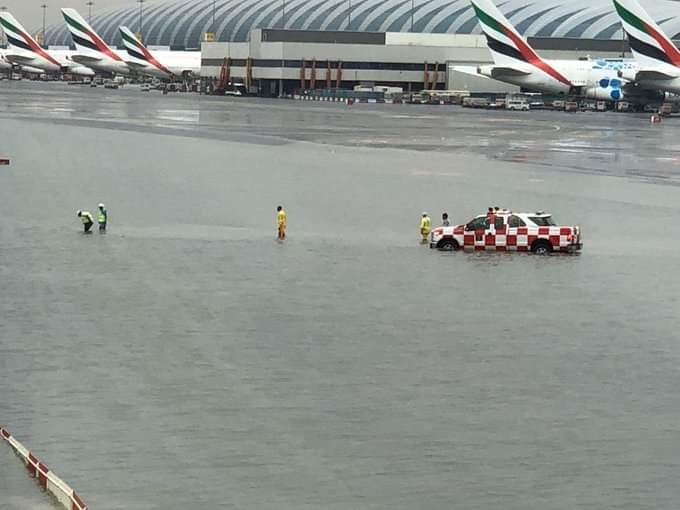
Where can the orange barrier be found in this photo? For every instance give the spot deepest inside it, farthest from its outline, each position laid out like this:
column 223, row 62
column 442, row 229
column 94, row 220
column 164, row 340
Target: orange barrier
column 46, row 478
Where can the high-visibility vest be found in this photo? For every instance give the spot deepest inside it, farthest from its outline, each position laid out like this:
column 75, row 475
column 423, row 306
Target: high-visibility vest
column 281, row 218
column 101, row 217
column 86, row 217
column 426, row 223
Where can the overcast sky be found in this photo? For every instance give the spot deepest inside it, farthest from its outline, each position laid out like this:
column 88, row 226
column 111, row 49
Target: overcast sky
column 29, row 13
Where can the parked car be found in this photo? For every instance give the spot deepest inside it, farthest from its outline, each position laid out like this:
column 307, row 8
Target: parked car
column 523, row 232
column 517, row 105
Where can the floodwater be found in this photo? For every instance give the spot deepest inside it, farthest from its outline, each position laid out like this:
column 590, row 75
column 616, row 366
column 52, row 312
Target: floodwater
column 185, row 358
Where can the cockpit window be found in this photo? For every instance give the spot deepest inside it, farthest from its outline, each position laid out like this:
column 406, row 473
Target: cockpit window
column 543, row 221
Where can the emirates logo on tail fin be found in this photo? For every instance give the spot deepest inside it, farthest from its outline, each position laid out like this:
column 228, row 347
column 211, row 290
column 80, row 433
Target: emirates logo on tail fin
column 644, row 35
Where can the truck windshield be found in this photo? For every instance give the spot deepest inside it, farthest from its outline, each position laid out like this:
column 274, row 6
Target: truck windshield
column 543, row 221
column 476, row 224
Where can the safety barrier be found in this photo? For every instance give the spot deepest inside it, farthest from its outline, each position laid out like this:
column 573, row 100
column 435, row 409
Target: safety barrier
column 46, row 478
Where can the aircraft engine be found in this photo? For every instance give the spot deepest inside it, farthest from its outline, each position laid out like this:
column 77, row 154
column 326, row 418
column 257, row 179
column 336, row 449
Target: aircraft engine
column 606, row 90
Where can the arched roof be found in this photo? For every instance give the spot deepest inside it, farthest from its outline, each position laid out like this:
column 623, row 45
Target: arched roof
column 180, row 23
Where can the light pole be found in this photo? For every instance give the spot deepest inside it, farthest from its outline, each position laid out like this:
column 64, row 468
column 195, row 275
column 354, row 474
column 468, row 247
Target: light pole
column 44, row 9
column 89, row 11
column 349, row 15
column 141, row 17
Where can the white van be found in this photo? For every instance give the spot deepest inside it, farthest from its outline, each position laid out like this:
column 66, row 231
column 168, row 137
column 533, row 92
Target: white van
column 517, row 105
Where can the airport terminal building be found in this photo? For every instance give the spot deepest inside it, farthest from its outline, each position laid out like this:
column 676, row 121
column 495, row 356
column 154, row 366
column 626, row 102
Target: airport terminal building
column 401, row 42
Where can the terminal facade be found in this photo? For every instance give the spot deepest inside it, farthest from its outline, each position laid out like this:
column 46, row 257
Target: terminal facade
column 282, row 61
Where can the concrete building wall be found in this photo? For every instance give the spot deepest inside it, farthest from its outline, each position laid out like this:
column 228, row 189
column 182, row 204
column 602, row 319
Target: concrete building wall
column 447, row 40
column 402, row 49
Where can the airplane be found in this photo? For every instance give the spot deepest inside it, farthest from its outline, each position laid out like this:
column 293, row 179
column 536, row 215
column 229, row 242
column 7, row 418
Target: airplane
column 516, row 62
column 92, row 51
column 24, row 51
column 6, row 65
column 160, row 64
column 658, row 58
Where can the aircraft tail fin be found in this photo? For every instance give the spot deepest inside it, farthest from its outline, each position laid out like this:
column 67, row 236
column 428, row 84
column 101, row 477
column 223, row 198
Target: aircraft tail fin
column 18, row 38
column 508, row 48
column 136, row 49
column 84, row 36
column 647, row 41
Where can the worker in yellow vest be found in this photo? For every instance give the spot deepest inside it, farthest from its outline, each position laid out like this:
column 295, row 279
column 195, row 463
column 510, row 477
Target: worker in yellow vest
column 102, row 218
column 425, row 227
column 281, row 222
column 87, row 220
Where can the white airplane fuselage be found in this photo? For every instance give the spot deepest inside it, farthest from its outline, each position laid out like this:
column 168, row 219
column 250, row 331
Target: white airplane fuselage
column 58, row 61
column 666, row 77
column 595, row 79
column 100, row 62
column 173, row 64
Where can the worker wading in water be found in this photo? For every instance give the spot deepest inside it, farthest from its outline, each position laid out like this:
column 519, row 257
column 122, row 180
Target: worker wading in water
column 425, row 227
column 281, row 223
column 102, row 218
column 87, row 220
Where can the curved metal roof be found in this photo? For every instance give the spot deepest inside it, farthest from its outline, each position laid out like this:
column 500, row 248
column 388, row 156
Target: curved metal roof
column 180, row 23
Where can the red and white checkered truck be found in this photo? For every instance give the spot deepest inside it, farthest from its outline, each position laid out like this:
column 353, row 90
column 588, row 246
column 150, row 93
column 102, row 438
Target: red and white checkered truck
column 525, row 232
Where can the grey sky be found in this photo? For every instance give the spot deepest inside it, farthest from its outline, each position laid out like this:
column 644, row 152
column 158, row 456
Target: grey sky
column 29, row 13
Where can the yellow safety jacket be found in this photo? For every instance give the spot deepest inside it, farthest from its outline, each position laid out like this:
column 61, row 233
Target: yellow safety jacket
column 281, row 219
column 425, row 225
column 86, row 217
column 101, row 217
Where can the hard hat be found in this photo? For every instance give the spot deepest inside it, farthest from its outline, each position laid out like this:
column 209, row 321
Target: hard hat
column 424, row 213
column 101, row 206
column 79, row 212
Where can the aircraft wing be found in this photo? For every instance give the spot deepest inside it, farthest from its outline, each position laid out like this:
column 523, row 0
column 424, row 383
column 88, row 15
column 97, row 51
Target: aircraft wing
column 19, row 59
column 471, row 70
column 653, row 75
column 85, row 59
column 136, row 65
column 499, row 72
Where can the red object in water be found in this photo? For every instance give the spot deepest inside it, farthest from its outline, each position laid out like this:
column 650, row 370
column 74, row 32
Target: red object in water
column 4, row 161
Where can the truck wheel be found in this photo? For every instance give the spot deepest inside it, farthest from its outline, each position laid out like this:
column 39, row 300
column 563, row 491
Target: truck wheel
column 447, row 245
column 541, row 247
